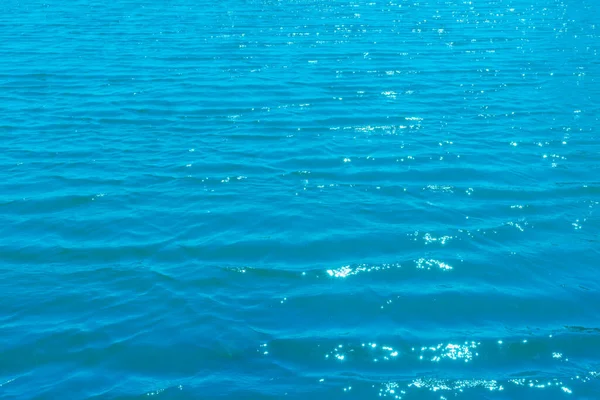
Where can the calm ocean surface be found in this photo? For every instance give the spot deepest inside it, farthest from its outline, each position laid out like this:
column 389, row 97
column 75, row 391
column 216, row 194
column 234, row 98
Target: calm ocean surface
column 300, row 199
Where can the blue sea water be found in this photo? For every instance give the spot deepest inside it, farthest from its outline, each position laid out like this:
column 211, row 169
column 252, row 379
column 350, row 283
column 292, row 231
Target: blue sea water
column 325, row 199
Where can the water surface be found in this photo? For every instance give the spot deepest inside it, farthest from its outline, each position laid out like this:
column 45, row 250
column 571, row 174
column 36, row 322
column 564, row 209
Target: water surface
column 282, row 199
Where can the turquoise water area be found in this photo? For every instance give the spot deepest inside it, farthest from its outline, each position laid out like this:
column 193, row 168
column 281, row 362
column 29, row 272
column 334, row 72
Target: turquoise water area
column 260, row 199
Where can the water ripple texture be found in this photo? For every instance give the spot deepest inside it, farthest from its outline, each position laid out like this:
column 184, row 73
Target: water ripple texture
column 277, row 199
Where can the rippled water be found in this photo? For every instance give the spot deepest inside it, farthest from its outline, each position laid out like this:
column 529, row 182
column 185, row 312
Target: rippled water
column 282, row 199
